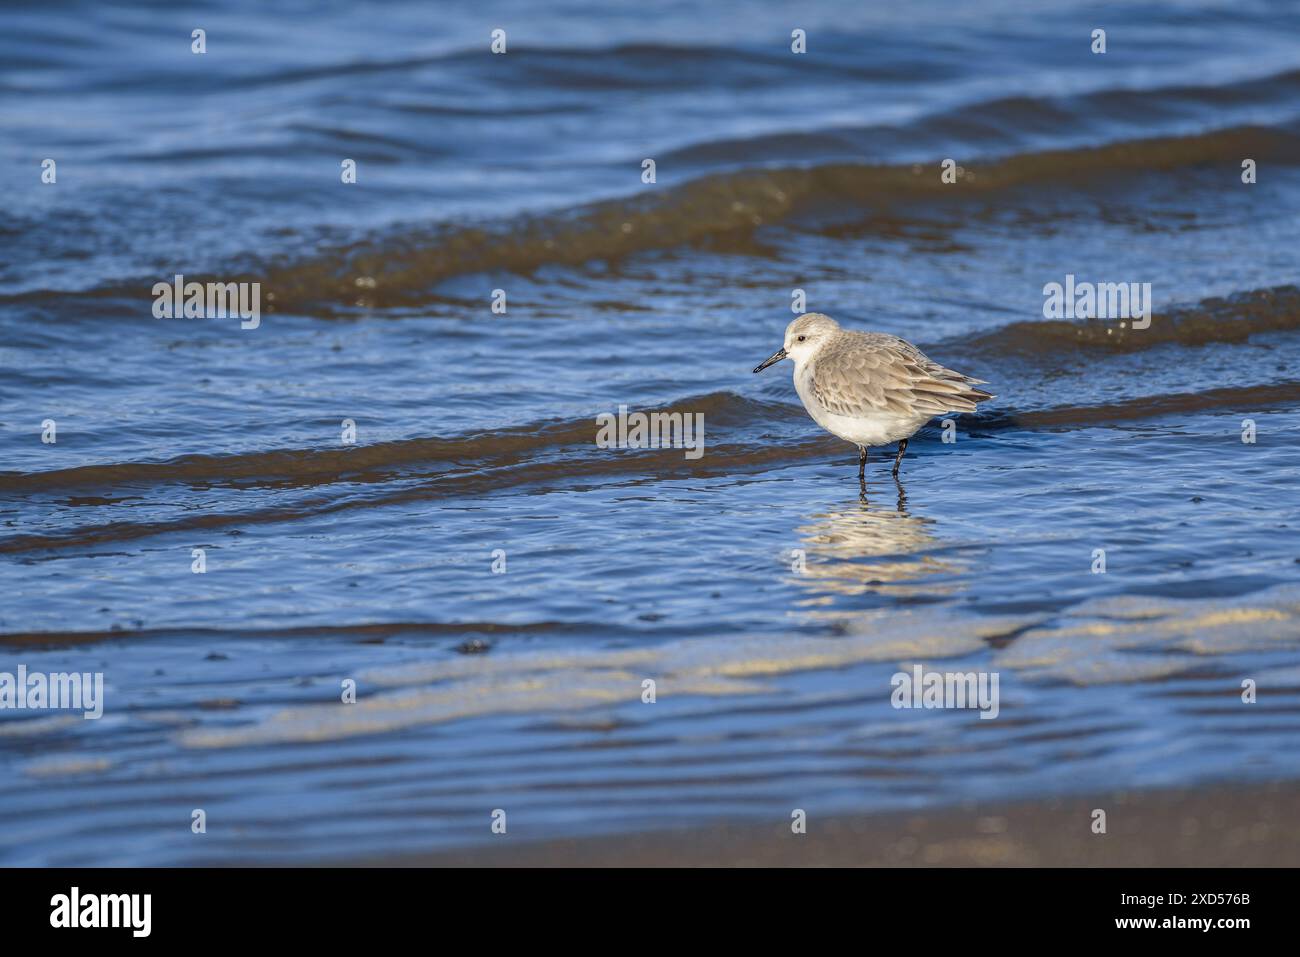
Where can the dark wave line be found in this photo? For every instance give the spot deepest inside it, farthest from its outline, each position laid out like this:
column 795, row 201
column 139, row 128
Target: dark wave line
column 575, row 464
column 371, row 463
column 1153, row 407
column 1002, row 120
column 401, row 268
column 1232, row 319
column 371, row 632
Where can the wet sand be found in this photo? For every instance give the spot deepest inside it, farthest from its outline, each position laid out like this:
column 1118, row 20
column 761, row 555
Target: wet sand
column 1257, row 826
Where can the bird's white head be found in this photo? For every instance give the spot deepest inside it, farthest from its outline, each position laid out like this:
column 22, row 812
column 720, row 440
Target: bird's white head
column 803, row 338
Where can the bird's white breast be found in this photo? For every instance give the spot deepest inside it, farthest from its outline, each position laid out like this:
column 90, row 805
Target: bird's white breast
column 878, row 427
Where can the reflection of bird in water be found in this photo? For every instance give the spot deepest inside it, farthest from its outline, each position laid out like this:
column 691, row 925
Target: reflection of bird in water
column 864, row 548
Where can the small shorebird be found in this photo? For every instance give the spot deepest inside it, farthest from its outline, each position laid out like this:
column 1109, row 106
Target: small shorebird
column 869, row 388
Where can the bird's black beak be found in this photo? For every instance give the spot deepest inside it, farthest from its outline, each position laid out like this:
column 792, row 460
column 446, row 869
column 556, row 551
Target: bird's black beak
column 774, row 358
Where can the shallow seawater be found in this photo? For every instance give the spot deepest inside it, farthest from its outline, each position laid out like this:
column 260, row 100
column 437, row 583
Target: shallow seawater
column 498, row 587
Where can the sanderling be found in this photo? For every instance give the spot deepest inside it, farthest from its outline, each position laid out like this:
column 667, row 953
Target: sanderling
column 869, row 388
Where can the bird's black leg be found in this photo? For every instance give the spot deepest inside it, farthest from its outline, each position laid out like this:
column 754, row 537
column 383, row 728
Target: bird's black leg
column 862, row 461
column 898, row 459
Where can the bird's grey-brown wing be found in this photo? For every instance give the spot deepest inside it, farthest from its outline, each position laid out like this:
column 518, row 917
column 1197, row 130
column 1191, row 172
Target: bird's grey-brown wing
column 879, row 373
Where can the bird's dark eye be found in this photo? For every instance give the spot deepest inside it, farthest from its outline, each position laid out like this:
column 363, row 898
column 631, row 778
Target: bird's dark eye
column 802, row 338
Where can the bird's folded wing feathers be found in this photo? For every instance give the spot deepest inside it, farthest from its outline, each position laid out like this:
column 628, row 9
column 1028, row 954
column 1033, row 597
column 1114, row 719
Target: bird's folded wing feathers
column 863, row 381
